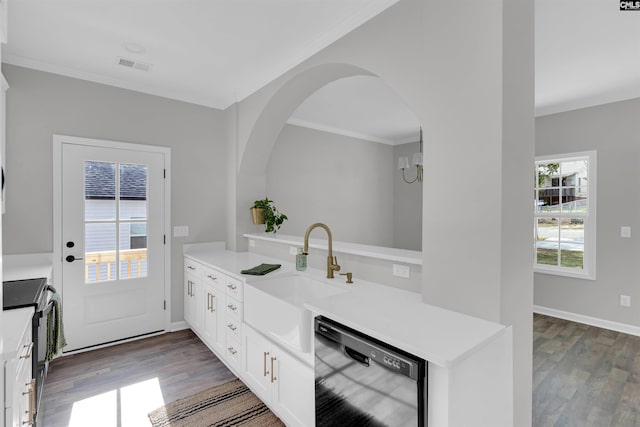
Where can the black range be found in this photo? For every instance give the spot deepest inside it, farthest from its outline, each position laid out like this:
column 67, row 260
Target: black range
column 32, row 293
column 22, row 293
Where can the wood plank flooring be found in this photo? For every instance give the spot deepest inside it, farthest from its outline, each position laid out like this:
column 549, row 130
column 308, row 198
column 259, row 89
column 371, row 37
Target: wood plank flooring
column 182, row 364
column 583, row 375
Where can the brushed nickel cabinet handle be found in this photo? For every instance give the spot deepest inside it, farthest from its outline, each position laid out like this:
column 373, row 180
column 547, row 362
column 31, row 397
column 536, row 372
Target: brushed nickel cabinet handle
column 232, row 287
column 273, row 377
column 232, row 350
column 212, row 277
column 232, row 327
column 264, row 366
column 213, row 303
column 232, row 307
column 29, row 348
column 32, row 402
column 190, row 267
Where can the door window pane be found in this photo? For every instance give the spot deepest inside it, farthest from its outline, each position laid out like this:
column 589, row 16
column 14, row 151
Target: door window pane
column 133, row 191
column 99, row 191
column 133, row 249
column 100, row 252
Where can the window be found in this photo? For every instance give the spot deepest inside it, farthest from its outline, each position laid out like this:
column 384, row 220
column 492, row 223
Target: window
column 564, row 212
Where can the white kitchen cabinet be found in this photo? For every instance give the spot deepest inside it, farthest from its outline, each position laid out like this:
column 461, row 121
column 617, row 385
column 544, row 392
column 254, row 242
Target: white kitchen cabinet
column 233, row 321
column 213, row 309
column 193, row 295
column 214, row 328
column 283, row 382
column 19, row 387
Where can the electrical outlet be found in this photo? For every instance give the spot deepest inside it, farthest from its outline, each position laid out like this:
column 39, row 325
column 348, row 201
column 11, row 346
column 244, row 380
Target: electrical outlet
column 401, row 271
column 293, row 250
column 252, row 243
column 181, row 231
column 625, row 300
column 625, row 232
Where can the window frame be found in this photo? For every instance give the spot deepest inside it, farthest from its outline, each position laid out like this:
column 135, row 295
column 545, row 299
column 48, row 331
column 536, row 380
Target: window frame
column 588, row 270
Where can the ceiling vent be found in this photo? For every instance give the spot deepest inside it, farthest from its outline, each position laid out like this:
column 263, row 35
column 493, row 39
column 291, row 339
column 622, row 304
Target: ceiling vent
column 130, row 63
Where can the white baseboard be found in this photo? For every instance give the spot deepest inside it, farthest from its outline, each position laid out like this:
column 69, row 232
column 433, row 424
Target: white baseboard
column 588, row 320
column 178, row 326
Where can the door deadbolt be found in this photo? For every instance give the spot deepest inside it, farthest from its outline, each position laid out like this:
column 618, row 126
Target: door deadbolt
column 70, row 244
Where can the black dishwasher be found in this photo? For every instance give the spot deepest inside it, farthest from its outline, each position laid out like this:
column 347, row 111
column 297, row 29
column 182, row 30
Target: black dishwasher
column 361, row 381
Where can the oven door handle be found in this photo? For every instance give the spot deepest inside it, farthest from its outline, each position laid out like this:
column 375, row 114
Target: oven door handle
column 45, row 311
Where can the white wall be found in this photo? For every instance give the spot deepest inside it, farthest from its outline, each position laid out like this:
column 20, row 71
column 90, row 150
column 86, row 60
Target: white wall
column 42, row 104
column 466, row 70
column 614, row 132
column 347, row 183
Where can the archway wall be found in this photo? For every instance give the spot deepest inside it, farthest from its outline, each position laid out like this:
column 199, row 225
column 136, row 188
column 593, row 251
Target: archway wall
column 446, row 60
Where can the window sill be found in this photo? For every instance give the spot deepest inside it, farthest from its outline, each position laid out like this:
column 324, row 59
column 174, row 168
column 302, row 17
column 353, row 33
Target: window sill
column 565, row 273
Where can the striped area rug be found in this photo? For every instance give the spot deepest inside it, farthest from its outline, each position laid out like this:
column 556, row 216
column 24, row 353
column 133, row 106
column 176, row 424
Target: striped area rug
column 229, row 404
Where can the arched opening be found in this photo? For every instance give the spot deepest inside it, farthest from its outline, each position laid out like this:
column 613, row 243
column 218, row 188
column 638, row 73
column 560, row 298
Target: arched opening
column 352, row 184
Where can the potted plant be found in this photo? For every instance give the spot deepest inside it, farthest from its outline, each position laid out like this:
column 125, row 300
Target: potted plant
column 265, row 212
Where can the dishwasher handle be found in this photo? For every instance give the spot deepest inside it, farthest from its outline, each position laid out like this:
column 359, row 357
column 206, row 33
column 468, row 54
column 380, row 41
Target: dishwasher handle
column 358, row 357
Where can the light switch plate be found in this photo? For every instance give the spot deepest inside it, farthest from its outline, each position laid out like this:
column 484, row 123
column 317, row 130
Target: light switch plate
column 625, row 232
column 401, row 271
column 293, row 250
column 181, row 231
column 252, row 243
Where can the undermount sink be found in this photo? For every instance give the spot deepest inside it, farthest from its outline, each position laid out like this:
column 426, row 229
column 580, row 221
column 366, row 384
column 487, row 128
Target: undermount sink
column 275, row 306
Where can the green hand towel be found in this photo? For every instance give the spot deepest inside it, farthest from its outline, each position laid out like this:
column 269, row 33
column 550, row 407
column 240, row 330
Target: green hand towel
column 55, row 330
column 261, row 270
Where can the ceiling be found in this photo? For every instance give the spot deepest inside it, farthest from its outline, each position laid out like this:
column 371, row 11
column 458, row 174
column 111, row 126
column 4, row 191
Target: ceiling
column 208, row 52
column 587, row 53
column 216, row 52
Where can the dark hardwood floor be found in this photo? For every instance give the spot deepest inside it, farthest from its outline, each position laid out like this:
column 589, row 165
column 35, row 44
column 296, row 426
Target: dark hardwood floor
column 105, row 387
column 583, row 375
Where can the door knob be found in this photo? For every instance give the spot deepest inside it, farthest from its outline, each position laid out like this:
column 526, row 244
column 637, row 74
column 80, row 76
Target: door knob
column 71, row 258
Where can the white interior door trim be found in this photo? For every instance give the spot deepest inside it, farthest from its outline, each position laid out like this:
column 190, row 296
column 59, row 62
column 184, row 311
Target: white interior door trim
column 58, row 140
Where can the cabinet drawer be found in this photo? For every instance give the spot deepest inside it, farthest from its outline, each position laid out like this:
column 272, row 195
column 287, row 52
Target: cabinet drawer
column 192, row 267
column 234, row 355
column 234, row 330
column 234, row 288
column 214, row 278
column 233, row 309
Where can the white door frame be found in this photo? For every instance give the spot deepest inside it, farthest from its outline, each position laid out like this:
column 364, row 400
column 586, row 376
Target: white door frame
column 58, row 140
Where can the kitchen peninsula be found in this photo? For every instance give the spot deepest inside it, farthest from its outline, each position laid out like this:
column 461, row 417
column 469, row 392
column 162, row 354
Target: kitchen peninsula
column 469, row 359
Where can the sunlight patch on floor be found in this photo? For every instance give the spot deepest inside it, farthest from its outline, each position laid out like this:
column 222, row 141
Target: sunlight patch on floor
column 128, row 405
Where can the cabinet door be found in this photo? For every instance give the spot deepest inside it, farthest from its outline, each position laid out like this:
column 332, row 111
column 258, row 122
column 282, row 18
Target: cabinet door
column 209, row 324
column 193, row 302
column 189, row 309
column 293, row 391
column 214, row 314
column 256, row 362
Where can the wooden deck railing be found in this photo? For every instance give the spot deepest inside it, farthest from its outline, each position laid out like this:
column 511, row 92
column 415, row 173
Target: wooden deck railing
column 108, row 257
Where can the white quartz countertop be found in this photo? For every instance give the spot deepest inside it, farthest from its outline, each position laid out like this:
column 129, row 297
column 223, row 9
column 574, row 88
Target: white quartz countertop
column 394, row 316
column 27, row 266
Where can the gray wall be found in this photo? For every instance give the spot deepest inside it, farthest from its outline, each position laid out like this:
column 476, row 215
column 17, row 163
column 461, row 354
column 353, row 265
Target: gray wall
column 347, row 183
column 42, row 104
column 614, row 131
column 407, row 202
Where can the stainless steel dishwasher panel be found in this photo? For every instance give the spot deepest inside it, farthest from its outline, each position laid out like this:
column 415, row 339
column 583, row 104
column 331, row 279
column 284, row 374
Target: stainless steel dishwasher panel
column 360, row 381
